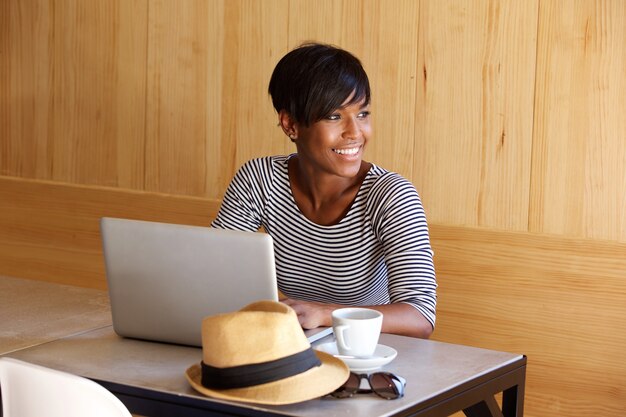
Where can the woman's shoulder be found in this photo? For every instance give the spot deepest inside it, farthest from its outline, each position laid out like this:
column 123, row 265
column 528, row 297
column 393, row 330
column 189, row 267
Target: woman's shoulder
column 391, row 196
column 265, row 165
column 267, row 161
column 382, row 179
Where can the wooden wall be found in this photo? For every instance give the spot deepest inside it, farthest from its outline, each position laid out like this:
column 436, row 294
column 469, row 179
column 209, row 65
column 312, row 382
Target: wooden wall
column 506, row 115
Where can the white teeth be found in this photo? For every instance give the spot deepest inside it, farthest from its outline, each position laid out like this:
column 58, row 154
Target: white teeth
column 352, row 151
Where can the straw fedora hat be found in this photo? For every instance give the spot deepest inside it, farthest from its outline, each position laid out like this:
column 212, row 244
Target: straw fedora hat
column 260, row 354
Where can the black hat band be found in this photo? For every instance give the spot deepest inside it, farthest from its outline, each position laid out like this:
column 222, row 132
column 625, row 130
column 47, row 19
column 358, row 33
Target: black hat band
column 258, row 373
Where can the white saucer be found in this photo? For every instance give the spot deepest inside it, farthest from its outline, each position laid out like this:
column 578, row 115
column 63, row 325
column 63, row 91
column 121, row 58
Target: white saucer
column 382, row 356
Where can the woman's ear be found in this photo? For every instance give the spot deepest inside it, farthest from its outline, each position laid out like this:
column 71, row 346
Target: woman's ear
column 288, row 124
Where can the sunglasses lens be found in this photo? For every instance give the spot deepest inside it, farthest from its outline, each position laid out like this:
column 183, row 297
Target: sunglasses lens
column 349, row 388
column 387, row 385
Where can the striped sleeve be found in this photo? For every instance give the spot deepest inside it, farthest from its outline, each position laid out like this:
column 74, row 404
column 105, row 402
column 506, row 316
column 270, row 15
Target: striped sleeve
column 245, row 197
column 399, row 222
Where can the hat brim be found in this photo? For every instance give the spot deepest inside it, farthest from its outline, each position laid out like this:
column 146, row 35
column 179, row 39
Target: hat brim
column 314, row 383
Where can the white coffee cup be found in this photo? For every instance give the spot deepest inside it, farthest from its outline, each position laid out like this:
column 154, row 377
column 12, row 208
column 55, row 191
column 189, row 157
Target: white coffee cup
column 357, row 331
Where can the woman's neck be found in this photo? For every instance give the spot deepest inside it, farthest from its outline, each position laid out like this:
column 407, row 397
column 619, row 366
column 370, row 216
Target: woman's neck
column 323, row 198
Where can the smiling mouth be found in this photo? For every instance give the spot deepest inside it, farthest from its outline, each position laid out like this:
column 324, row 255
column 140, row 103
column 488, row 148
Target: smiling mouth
column 349, row 151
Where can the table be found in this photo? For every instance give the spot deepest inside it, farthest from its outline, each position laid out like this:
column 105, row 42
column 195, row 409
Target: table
column 149, row 378
column 36, row 312
column 69, row 328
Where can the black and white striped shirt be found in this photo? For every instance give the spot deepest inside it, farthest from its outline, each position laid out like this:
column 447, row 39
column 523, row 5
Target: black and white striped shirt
column 379, row 253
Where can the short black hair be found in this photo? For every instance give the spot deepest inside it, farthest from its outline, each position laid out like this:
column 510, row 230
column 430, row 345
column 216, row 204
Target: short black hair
column 313, row 80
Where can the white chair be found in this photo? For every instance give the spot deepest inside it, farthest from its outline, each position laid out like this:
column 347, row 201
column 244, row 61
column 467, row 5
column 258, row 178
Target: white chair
column 30, row 390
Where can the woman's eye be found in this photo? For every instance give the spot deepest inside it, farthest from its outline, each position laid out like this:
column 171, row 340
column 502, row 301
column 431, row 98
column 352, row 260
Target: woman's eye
column 364, row 114
column 333, row 117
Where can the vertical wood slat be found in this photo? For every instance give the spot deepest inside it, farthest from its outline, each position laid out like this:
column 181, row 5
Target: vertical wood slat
column 25, row 88
column 393, row 80
column 131, row 89
column 579, row 151
column 84, row 48
column 209, row 115
column 256, row 37
column 74, row 81
column 176, row 103
column 474, row 111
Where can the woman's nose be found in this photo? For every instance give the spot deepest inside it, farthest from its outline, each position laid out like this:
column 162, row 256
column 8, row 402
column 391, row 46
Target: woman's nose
column 351, row 129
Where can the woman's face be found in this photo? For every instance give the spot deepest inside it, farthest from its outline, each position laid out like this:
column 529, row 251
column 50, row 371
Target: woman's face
column 335, row 144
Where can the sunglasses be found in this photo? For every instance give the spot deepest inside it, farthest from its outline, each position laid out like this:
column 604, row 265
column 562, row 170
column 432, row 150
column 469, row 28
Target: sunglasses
column 383, row 384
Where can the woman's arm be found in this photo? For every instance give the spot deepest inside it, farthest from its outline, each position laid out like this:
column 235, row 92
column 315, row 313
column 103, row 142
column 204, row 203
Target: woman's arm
column 242, row 203
column 398, row 318
column 399, row 222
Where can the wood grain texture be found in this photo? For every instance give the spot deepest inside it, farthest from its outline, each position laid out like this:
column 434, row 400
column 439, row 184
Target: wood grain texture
column 579, row 154
column 207, row 112
column 392, row 27
column 256, row 39
column 74, row 81
column 25, row 50
column 176, row 102
column 558, row 300
column 71, row 96
column 474, row 111
column 171, row 97
column 50, row 231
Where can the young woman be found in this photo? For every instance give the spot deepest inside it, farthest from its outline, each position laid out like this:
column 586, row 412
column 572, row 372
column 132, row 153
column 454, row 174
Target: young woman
column 346, row 232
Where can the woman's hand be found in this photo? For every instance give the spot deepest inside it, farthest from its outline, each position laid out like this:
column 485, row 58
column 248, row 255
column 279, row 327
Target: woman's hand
column 312, row 314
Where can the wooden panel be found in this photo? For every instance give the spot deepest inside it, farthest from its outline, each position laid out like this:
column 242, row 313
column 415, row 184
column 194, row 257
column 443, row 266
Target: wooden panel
column 579, row 155
column 129, row 109
column 560, row 301
column 74, row 102
column 389, row 54
column 50, row 231
column 256, row 38
column 474, row 111
column 383, row 35
column 25, row 87
column 208, row 112
column 76, row 87
column 177, row 97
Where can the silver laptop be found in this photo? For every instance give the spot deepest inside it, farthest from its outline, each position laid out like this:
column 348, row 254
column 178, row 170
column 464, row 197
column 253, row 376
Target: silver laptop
column 165, row 278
